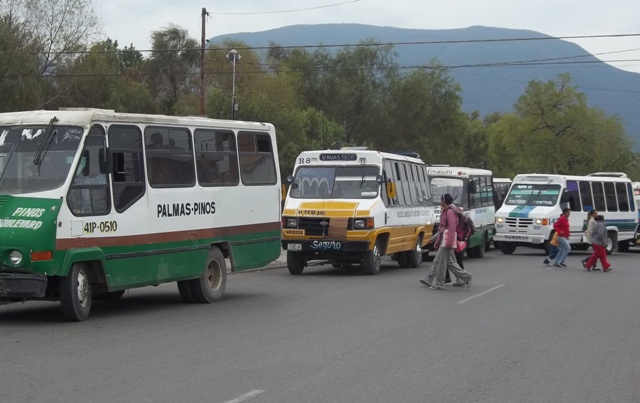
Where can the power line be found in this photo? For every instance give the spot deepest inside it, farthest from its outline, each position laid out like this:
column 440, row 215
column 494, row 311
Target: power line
column 290, row 11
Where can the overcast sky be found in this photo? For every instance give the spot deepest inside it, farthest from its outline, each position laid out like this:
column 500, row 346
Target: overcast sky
column 133, row 21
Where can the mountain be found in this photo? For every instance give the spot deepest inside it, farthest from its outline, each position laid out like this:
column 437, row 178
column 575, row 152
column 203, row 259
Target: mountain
column 487, row 89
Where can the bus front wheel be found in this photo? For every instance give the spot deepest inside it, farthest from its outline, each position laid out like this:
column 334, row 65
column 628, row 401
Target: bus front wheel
column 295, row 263
column 75, row 294
column 415, row 255
column 612, row 242
column 507, row 248
column 372, row 260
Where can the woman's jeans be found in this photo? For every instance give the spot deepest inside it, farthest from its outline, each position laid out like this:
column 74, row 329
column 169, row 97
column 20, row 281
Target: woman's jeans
column 563, row 250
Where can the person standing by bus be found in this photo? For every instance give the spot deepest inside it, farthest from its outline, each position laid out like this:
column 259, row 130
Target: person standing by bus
column 599, row 243
column 562, row 229
column 445, row 244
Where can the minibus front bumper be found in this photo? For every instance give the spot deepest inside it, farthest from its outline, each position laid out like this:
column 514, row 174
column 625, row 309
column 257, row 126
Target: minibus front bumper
column 519, row 238
column 22, row 285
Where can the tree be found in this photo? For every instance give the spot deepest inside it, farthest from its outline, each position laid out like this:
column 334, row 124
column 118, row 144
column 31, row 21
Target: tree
column 20, row 84
column 554, row 130
column 174, row 64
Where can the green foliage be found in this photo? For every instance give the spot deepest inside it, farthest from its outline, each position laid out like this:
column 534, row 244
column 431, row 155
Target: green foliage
column 553, row 130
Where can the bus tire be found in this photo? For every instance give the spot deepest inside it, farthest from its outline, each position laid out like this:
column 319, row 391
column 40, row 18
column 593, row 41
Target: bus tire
column 75, row 293
column 211, row 285
column 612, row 242
column 110, row 295
column 372, row 260
column 479, row 250
column 295, row 263
column 185, row 291
column 415, row 255
column 623, row 246
column 403, row 259
column 507, row 248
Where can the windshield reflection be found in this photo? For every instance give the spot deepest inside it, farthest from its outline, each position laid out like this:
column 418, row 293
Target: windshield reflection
column 357, row 182
column 21, row 172
column 533, row 195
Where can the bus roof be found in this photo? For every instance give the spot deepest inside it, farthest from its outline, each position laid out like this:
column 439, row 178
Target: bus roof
column 462, row 172
column 84, row 116
column 353, row 155
column 554, row 178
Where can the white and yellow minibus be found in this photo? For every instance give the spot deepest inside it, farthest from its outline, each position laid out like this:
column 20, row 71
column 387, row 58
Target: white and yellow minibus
column 94, row 202
column 535, row 202
column 353, row 207
column 472, row 190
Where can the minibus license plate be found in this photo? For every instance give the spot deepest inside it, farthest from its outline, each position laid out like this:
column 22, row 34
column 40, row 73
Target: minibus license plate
column 294, row 246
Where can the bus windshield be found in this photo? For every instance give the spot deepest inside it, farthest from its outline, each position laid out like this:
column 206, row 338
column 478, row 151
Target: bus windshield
column 29, row 164
column 533, row 195
column 440, row 186
column 355, row 182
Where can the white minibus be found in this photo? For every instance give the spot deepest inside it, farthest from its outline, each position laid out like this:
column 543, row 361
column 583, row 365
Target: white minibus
column 535, row 202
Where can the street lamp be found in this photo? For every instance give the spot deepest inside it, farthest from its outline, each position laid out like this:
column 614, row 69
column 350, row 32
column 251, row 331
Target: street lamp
column 233, row 57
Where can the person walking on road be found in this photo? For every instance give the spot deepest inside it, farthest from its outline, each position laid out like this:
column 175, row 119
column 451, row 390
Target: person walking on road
column 587, row 234
column 562, row 229
column 445, row 244
column 599, row 240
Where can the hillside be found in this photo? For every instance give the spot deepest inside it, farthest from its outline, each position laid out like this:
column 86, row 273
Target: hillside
column 486, row 89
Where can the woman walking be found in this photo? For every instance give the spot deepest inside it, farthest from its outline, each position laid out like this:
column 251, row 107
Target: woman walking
column 562, row 229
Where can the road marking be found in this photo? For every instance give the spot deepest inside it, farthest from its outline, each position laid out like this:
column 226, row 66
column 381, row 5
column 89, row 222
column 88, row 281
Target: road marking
column 247, row 396
column 482, row 293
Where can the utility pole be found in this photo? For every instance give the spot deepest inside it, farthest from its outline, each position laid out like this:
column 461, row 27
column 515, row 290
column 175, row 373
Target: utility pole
column 202, row 49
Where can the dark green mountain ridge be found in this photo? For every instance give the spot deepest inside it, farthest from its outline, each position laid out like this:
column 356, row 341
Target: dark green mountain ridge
column 492, row 65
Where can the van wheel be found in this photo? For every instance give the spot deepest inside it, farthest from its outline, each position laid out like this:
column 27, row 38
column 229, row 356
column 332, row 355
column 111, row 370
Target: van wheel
column 75, row 294
column 372, row 260
column 415, row 255
column 479, row 250
column 211, row 285
column 612, row 242
column 295, row 263
column 507, row 248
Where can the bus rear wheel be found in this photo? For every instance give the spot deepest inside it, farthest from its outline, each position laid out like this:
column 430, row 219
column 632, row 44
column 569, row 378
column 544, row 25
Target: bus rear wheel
column 211, row 285
column 75, row 294
column 612, row 242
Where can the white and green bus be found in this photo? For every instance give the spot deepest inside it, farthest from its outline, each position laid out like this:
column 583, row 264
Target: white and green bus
column 535, row 202
column 472, row 190
column 94, row 202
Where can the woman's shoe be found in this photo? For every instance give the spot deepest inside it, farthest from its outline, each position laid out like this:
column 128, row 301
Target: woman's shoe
column 595, row 268
column 425, row 283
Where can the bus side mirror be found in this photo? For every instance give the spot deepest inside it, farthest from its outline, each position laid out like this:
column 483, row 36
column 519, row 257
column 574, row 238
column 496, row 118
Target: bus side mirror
column 564, row 198
column 472, row 187
column 391, row 190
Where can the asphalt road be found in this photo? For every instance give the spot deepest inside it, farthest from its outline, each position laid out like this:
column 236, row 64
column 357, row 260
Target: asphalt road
column 523, row 332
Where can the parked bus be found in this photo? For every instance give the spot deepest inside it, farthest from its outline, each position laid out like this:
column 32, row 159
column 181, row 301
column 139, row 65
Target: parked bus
column 500, row 189
column 94, row 202
column 472, row 190
column 353, row 207
column 535, row 202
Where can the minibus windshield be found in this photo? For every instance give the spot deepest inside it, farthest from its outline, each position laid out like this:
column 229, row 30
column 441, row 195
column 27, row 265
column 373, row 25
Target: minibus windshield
column 325, row 182
column 533, row 195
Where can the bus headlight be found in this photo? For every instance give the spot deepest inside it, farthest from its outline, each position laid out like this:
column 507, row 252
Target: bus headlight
column 363, row 223
column 290, row 222
column 15, row 257
column 499, row 220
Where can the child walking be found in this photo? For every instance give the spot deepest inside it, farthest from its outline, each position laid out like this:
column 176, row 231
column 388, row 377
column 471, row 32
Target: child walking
column 599, row 243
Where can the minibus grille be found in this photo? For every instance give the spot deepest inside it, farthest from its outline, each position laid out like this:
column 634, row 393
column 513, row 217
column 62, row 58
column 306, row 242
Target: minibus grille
column 314, row 226
column 515, row 224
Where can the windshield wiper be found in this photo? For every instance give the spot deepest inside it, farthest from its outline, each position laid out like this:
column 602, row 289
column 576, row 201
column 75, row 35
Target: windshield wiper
column 46, row 142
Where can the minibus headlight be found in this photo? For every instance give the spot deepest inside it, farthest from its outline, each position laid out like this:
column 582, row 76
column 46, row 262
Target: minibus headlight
column 363, row 223
column 538, row 221
column 15, row 257
column 499, row 220
column 291, row 222
column 542, row 221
